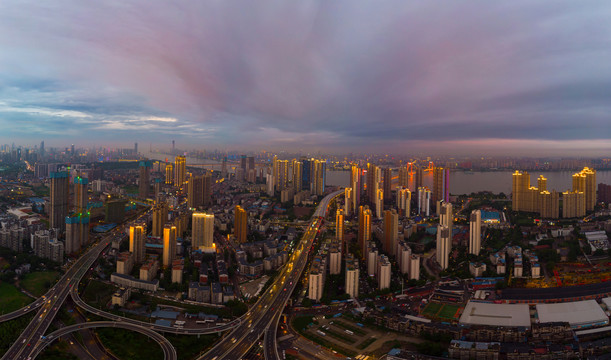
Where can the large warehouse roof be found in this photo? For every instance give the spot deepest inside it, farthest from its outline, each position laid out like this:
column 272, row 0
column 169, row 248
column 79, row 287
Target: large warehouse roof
column 478, row 313
column 577, row 314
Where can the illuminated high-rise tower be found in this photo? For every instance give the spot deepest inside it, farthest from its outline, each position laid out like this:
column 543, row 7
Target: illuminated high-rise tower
column 348, row 201
column 169, row 245
column 318, row 177
column 339, row 227
column 282, row 179
column 169, row 174
column 364, row 228
column 59, row 193
column 180, row 171
column 379, row 204
column 391, row 231
column 137, row 234
column 444, row 245
column 475, row 232
column 585, row 181
column 441, row 182
column 297, row 175
column 160, row 217
column 202, row 228
column 240, row 226
column 373, row 183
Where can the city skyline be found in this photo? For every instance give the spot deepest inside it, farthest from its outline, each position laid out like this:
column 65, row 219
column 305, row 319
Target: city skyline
column 460, row 79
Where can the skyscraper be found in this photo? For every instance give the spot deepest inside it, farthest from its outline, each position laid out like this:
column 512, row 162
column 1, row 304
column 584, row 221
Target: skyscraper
column 585, row 181
column 475, row 232
column 441, row 181
column 348, row 201
column 573, row 204
column 180, row 171
column 446, row 216
column 352, row 276
column 424, row 201
column 444, row 246
column 419, row 177
column 297, row 175
column 364, row 228
column 202, row 225
column 240, row 227
column 373, row 183
column 391, row 231
column 339, row 227
column 404, row 176
column 404, row 201
column 160, row 217
column 59, row 193
column 169, row 245
column 282, row 171
column 169, row 174
column 383, row 272
column 549, row 204
column 144, row 183
column 387, row 182
column 379, row 203
column 195, row 192
column 207, row 188
column 318, row 177
column 77, row 232
column 80, row 194
column 137, row 233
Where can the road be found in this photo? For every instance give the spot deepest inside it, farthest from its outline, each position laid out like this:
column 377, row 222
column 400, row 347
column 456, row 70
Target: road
column 169, row 353
column 271, row 304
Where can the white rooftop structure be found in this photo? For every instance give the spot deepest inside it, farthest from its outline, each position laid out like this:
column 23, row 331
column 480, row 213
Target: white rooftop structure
column 578, row 314
column 479, row 313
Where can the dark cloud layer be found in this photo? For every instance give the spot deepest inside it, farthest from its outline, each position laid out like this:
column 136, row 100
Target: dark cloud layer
column 351, row 75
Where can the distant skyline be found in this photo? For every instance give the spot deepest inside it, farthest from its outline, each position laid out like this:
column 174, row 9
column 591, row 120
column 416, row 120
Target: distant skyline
column 441, row 78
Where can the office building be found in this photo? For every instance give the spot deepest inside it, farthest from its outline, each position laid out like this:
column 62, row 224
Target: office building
column 475, row 232
column 144, row 180
column 202, row 225
column 169, row 245
column 169, row 174
column 59, row 193
column 444, row 245
column 391, row 231
column 160, row 217
column 80, row 194
column 240, row 226
column 180, row 171
column 364, row 233
column 383, row 272
column 352, row 276
column 404, row 201
column 137, row 236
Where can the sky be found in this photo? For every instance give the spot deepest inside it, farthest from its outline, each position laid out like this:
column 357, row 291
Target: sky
column 461, row 77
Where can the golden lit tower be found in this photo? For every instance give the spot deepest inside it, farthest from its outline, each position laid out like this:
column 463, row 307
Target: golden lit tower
column 169, row 245
column 339, row 226
column 391, row 231
column 180, row 171
column 202, row 226
column 585, row 181
column 240, row 227
column 169, row 174
column 348, row 201
column 297, row 175
column 137, row 233
column 542, row 183
column 364, row 228
column 282, row 181
column 59, row 193
column 160, row 217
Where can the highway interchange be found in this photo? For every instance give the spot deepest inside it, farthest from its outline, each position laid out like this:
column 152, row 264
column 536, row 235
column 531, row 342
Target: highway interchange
column 247, row 329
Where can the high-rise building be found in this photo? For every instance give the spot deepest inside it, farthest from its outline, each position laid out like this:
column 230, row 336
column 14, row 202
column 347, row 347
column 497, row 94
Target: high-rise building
column 387, row 182
column 441, row 182
column 373, row 182
column 169, row 174
column 404, row 176
column 316, row 283
column 137, row 234
column 573, row 204
column 207, row 188
column 297, row 175
column 180, row 171
column 169, row 245
column 144, row 180
column 549, row 204
column 335, row 259
column 371, row 255
column 240, row 227
column 80, row 194
column 77, row 232
column 419, row 177
column 282, row 179
column 202, row 225
column 318, row 177
column 160, row 217
column 348, row 201
column 404, row 201
column 356, row 184
column 404, row 252
column 444, row 246
column 391, row 231
column 195, row 191
column 383, row 272
column 364, row 228
column 542, row 183
column 585, row 181
column 414, row 267
column 604, row 193
column 424, row 201
column 446, row 217
column 352, row 276
column 59, row 193
column 475, row 232
column 524, row 196
column 339, row 226
column 379, row 203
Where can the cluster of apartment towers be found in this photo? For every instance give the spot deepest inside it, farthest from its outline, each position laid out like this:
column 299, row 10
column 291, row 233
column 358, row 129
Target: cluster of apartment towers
column 575, row 202
column 375, row 184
